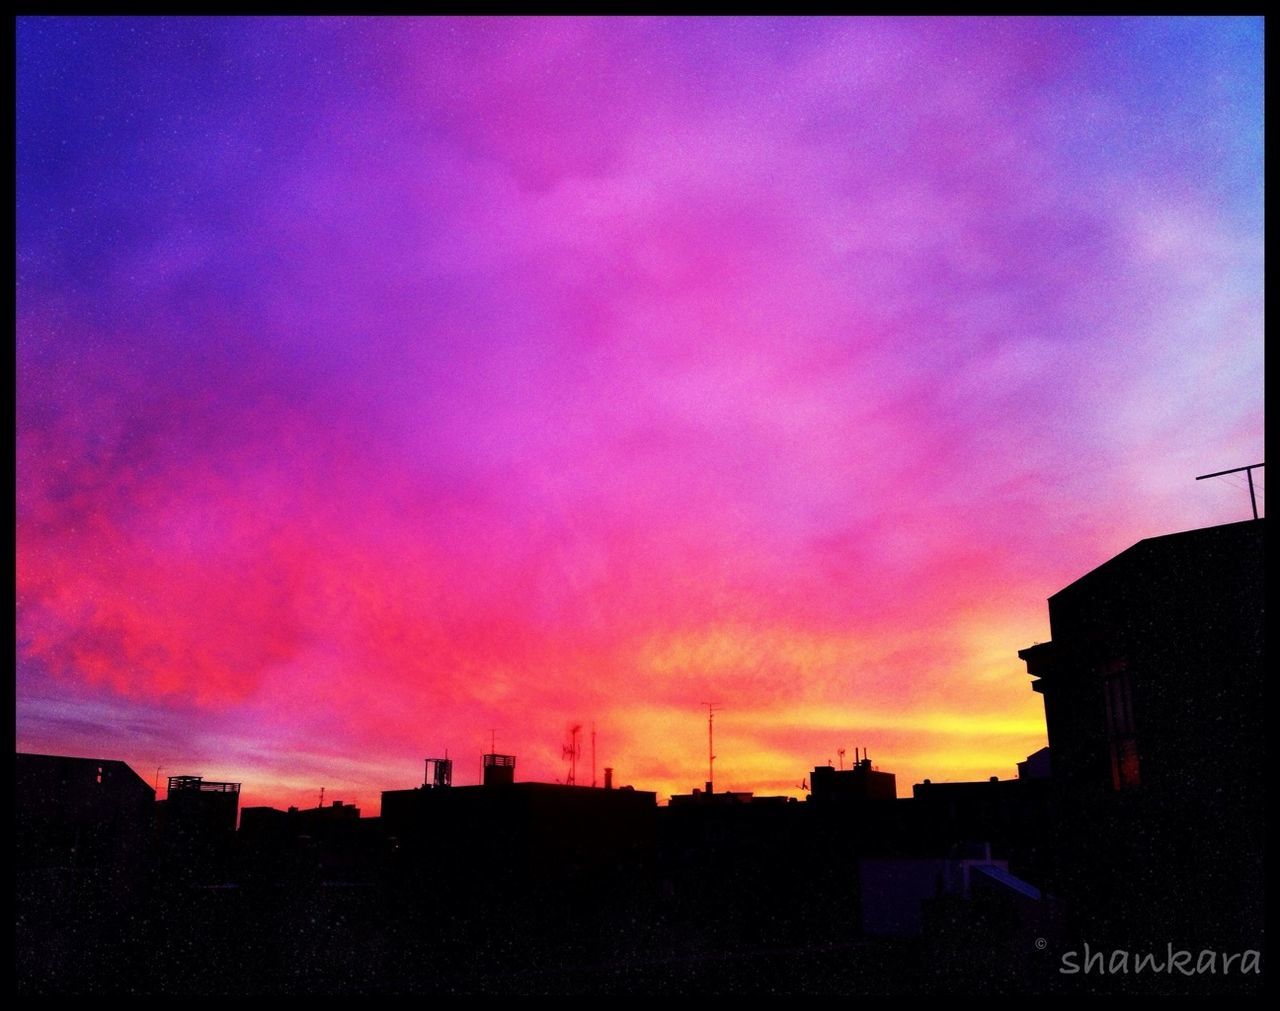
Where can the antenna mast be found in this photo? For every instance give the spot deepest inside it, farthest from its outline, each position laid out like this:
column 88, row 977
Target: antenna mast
column 571, row 752
column 1248, row 472
column 711, row 754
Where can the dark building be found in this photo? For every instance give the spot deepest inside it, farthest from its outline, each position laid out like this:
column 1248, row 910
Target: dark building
column 255, row 821
column 196, row 826
column 83, row 840
column 524, row 873
column 81, row 813
column 321, row 843
column 203, row 806
column 742, row 869
column 1037, row 765
column 1153, row 695
column 505, row 832
column 1152, row 652
column 860, row 783
column 499, row 770
column 1013, row 816
column 725, row 798
column 541, row 825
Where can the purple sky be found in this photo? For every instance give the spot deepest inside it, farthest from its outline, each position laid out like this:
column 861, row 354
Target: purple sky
column 384, row 381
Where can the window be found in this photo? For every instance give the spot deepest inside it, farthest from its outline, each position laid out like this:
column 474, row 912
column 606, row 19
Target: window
column 1121, row 734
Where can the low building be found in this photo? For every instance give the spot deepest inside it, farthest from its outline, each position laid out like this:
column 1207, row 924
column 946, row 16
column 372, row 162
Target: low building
column 860, row 783
column 195, row 827
column 517, row 833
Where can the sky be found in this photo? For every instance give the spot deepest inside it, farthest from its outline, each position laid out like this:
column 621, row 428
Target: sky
column 388, row 384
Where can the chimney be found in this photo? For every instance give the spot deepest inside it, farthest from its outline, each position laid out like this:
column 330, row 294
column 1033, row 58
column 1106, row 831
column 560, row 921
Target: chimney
column 608, row 778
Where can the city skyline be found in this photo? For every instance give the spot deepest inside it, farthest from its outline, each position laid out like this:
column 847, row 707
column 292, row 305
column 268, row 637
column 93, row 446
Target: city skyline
column 385, row 382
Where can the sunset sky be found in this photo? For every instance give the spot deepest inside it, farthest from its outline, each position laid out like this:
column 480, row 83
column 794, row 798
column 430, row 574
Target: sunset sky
column 382, row 382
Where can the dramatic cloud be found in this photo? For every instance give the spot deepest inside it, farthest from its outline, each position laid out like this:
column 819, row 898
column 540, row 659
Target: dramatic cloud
column 381, row 382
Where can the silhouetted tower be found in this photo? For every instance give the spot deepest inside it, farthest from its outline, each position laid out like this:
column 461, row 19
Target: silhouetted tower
column 1248, row 472
column 499, row 770
column 711, row 755
column 571, row 752
column 593, row 753
column 840, row 752
column 439, row 772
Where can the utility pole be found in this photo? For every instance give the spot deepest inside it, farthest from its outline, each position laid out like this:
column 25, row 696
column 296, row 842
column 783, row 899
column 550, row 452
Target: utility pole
column 1248, row 472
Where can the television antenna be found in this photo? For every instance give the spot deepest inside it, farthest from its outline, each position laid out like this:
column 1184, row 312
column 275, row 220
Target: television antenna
column 571, row 751
column 1248, row 472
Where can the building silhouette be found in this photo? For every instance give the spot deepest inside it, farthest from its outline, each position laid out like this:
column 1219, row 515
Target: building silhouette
column 195, row 827
column 499, row 770
column 201, row 806
column 521, row 831
column 1154, row 706
column 84, row 848
column 81, row 814
column 1139, row 826
column 1037, row 765
column 860, row 783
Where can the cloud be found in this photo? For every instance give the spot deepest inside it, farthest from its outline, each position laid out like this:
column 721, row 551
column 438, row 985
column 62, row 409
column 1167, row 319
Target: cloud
column 384, row 382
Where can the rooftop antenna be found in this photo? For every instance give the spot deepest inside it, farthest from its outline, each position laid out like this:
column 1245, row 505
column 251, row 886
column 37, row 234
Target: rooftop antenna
column 1248, row 472
column 593, row 753
column 322, row 796
column 570, row 751
column 711, row 756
